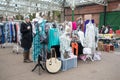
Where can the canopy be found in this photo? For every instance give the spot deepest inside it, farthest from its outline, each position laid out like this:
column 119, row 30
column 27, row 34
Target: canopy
column 12, row 7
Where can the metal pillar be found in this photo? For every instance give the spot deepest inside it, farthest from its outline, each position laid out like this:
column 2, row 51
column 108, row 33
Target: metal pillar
column 73, row 15
column 64, row 8
column 105, row 8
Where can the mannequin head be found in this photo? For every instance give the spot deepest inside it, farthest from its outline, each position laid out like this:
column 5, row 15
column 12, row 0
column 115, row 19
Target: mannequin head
column 38, row 18
column 37, row 15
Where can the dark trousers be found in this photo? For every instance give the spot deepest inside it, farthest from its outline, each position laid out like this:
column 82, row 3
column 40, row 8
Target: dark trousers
column 57, row 49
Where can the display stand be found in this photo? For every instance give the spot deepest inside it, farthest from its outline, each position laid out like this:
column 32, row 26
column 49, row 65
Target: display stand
column 39, row 64
column 40, row 61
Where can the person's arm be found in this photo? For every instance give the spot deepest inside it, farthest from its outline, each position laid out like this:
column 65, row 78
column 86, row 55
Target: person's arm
column 23, row 28
column 31, row 28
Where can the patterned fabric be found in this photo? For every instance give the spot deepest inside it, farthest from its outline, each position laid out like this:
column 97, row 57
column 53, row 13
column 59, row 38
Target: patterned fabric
column 42, row 25
column 2, row 37
column 37, row 46
column 64, row 43
column 36, row 43
column 9, row 32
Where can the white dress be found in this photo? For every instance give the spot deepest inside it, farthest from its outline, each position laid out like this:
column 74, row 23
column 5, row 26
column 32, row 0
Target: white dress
column 64, row 43
column 90, row 36
column 81, row 37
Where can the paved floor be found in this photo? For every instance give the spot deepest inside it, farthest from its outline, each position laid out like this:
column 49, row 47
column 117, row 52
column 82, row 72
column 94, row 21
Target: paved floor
column 12, row 68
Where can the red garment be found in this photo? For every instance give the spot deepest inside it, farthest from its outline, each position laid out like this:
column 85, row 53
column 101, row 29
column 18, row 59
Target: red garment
column 75, row 46
column 74, row 26
column 111, row 31
column 118, row 32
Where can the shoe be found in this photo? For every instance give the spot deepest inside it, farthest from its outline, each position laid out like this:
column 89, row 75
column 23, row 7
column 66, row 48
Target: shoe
column 27, row 61
column 28, row 56
column 24, row 56
column 30, row 60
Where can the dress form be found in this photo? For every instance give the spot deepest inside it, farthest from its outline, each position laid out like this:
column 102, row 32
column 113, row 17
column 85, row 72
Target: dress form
column 90, row 35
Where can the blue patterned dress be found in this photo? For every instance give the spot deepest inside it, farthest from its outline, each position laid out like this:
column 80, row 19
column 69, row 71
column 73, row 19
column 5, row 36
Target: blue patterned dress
column 36, row 43
column 37, row 46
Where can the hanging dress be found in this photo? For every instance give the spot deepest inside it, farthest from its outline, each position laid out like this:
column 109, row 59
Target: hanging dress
column 36, row 43
column 90, row 35
column 37, row 46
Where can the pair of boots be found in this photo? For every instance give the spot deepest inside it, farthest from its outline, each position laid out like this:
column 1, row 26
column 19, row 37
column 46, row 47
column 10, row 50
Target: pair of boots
column 26, row 56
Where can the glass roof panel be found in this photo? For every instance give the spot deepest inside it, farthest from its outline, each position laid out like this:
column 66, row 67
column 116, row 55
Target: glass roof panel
column 32, row 6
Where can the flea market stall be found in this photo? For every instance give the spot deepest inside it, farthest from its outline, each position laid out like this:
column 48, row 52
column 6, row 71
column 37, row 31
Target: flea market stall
column 56, row 46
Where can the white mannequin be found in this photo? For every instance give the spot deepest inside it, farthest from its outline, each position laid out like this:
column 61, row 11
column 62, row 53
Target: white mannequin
column 81, row 37
column 38, row 18
column 65, row 42
column 90, row 35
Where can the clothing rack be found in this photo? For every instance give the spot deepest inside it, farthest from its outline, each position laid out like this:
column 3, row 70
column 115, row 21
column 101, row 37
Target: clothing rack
column 11, row 39
column 16, row 47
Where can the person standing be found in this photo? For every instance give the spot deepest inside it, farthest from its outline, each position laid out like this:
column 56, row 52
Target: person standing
column 26, row 41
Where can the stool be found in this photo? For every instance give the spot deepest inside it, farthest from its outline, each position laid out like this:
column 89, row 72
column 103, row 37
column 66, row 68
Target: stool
column 105, row 48
column 108, row 47
column 100, row 46
column 111, row 47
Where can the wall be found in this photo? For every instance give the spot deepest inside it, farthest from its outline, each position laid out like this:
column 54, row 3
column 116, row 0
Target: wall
column 93, row 10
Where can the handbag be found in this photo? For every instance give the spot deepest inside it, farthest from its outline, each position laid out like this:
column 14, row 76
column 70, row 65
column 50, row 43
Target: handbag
column 53, row 65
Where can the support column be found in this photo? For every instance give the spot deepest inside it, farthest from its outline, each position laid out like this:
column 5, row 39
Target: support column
column 73, row 15
column 105, row 8
column 64, row 9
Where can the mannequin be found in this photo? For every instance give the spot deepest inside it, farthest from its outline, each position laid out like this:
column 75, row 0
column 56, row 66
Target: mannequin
column 65, row 40
column 90, row 35
column 38, row 45
column 38, row 19
column 39, row 24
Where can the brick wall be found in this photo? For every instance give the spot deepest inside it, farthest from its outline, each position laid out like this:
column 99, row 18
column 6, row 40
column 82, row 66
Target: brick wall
column 93, row 10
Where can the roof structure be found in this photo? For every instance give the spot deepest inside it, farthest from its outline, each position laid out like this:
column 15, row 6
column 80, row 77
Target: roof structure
column 12, row 7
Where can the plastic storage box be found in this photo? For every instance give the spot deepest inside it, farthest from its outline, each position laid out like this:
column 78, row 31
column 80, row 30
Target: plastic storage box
column 69, row 63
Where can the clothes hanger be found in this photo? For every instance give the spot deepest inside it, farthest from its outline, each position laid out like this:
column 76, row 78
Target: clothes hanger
column 54, row 26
